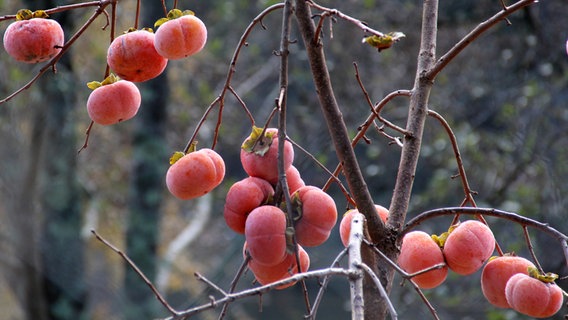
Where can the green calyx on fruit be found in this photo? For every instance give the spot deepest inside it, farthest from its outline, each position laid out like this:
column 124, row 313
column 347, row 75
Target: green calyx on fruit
column 112, row 78
column 179, row 154
column 173, row 14
column 441, row 239
column 259, row 141
column 385, row 41
column 176, row 156
column 26, row 14
column 548, row 277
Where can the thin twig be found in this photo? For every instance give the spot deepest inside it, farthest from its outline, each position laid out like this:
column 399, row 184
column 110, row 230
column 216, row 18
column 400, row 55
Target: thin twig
column 363, row 128
column 263, row 289
column 138, row 271
column 332, row 176
column 210, row 283
column 382, row 290
column 453, row 140
column 220, row 100
column 324, row 284
column 474, row 34
column 407, row 276
column 360, row 24
column 233, row 286
column 375, row 110
column 461, row 169
column 281, row 104
column 531, row 248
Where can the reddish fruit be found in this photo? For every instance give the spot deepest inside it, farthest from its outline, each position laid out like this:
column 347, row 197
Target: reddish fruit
column 265, row 230
column 244, row 196
column 113, row 103
column 495, row 275
column 468, row 246
column 293, row 178
column 288, row 267
column 34, row 40
column 180, row 37
column 132, row 56
column 317, row 215
column 533, row 297
column 345, row 224
column 259, row 155
column 419, row 252
column 218, row 162
column 194, row 174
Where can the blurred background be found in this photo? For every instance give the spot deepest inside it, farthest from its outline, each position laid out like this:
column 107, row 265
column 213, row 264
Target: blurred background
column 505, row 97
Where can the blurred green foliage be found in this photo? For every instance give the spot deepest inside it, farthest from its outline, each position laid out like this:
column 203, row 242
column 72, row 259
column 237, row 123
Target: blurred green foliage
column 504, row 96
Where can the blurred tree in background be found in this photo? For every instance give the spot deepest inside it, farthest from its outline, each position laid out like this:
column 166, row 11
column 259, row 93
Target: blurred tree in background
column 505, row 97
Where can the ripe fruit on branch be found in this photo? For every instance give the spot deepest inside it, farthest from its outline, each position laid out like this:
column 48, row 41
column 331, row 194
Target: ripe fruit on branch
column 180, row 35
column 419, row 252
column 468, row 246
column 265, row 230
column 244, row 196
column 537, row 298
column 259, row 154
column 132, row 56
column 33, row 38
column 288, row 267
column 194, row 174
column 112, row 100
column 316, row 215
column 345, row 224
column 294, row 179
column 495, row 275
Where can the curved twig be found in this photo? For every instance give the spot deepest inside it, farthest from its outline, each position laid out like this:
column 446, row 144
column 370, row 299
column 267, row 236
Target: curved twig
column 511, row 216
column 365, row 126
column 232, row 69
column 474, row 34
column 137, row 270
column 263, row 289
column 328, row 11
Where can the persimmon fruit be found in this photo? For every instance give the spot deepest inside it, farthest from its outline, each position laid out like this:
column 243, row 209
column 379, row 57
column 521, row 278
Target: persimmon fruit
column 244, row 196
column 265, row 234
column 495, row 275
column 195, row 174
column 180, row 37
column 286, row 268
column 259, row 154
column 133, row 57
column 33, row 40
column 345, row 224
column 113, row 103
column 317, row 215
column 468, row 247
column 533, row 297
column 419, row 252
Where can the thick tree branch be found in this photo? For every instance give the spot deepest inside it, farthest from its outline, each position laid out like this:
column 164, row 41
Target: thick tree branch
column 344, row 151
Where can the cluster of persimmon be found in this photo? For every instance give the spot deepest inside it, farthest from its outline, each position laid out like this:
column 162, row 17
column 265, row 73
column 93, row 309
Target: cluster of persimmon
column 135, row 56
column 251, row 208
column 506, row 281
column 141, row 55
